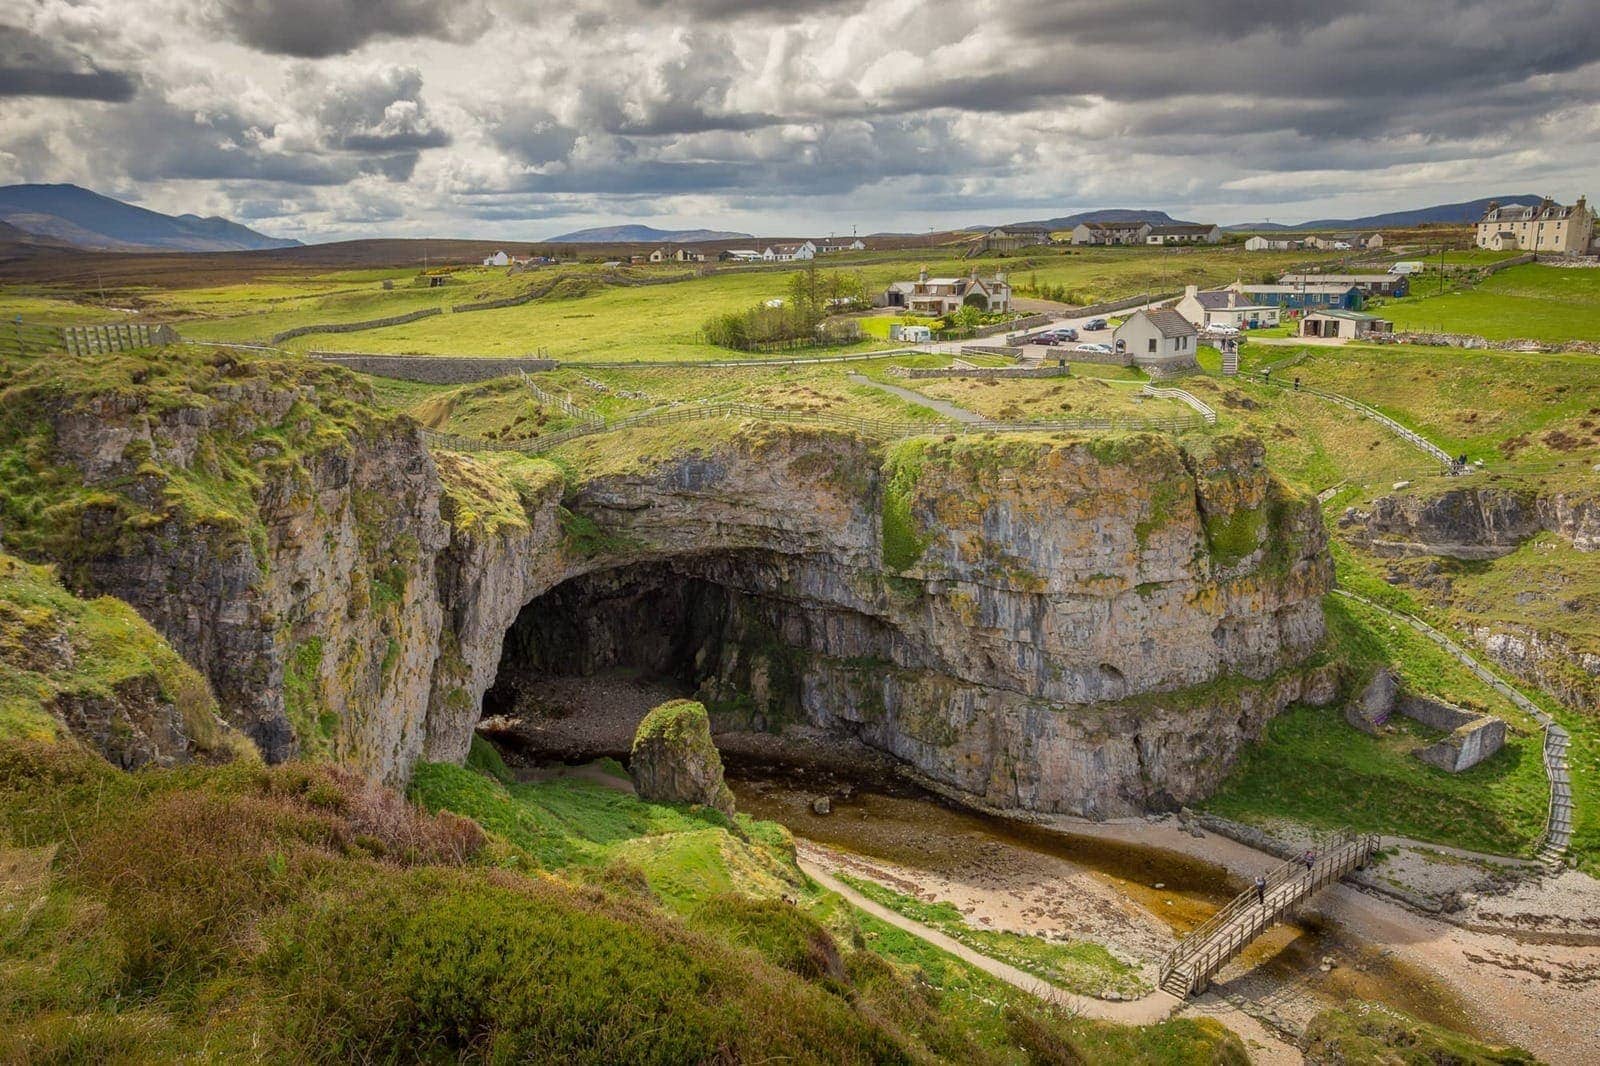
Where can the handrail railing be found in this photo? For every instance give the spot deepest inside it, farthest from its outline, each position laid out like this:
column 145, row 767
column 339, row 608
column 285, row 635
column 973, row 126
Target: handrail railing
column 1410, row 436
column 1557, row 836
column 1190, row 964
column 872, row 427
column 1192, row 400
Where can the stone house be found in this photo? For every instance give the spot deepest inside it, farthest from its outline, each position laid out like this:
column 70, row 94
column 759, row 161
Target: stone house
column 1543, row 227
column 1258, row 243
column 1110, row 232
column 1345, row 241
column 943, row 296
column 789, row 251
column 1163, row 339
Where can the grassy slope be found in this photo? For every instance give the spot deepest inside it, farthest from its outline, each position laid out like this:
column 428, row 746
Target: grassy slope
column 1081, row 966
column 1360, row 574
column 1372, row 1033
column 1541, row 302
column 54, row 646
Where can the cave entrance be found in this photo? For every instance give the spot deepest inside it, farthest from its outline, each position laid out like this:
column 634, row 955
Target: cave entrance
column 584, row 662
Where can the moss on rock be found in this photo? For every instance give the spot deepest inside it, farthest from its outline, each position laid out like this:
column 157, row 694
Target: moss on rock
column 674, row 760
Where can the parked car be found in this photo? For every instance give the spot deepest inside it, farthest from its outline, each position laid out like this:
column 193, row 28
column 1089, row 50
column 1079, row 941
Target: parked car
column 1056, row 336
column 1099, row 349
column 1096, row 323
column 1222, row 329
column 1046, row 339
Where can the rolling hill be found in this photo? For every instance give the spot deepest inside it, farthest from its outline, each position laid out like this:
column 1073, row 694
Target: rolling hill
column 1466, row 211
column 73, row 215
column 644, row 235
column 1109, row 214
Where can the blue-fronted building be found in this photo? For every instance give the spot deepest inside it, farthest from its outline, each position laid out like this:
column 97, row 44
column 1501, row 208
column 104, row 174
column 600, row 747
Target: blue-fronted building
column 1300, row 297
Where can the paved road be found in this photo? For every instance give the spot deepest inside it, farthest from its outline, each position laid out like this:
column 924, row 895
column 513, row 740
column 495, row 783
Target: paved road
column 949, row 410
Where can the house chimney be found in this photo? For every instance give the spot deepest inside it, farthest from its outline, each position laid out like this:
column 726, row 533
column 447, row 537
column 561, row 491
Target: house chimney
column 1190, row 290
column 922, row 275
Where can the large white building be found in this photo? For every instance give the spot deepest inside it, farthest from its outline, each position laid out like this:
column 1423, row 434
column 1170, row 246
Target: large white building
column 1543, row 227
column 944, row 296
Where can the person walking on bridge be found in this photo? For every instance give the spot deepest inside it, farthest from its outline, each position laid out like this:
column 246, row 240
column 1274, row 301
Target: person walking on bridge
column 1261, row 890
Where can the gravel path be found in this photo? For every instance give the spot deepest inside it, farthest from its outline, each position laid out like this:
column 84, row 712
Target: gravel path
column 949, row 410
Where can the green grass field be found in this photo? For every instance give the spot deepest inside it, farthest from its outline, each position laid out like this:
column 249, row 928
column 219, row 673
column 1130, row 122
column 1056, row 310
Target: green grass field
column 1530, row 301
column 1081, row 966
column 1509, row 409
column 1314, row 768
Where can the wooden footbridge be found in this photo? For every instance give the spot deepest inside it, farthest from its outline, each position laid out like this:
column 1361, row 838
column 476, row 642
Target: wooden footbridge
column 1188, row 968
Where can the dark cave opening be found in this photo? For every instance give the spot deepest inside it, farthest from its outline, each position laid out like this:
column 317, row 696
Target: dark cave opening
column 585, row 661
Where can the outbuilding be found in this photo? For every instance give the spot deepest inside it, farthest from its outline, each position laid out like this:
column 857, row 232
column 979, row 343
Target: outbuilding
column 1163, row 339
column 1346, row 324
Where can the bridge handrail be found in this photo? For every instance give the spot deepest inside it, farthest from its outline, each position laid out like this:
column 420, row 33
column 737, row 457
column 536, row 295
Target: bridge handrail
column 1201, row 951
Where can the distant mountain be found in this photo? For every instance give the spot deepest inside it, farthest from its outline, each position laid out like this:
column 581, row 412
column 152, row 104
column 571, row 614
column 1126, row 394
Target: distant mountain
column 86, row 219
column 644, row 235
column 1469, row 211
column 1110, row 214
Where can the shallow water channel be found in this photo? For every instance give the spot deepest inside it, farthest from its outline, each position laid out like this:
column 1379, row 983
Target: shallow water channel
column 1135, row 898
column 1280, row 976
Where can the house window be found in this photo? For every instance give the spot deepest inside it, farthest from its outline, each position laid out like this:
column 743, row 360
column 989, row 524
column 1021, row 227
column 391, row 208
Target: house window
column 1152, row 344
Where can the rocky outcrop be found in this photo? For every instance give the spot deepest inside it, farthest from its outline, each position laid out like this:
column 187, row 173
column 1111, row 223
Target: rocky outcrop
column 97, row 671
column 674, row 760
column 1091, row 625
column 1476, row 522
column 277, row 533
column 1085, row 626
column 1548, row 660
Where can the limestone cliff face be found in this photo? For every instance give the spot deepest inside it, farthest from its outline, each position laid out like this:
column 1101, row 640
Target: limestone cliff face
column 1085, row 625
column 1474, row 522
column 1060, row 625
column 281, row 539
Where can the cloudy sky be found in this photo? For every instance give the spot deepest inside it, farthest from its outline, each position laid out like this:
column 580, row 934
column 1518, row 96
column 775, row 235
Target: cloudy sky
column 519, row 119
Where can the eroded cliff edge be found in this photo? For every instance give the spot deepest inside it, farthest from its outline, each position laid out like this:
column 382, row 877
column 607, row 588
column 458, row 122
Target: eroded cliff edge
column 1091, row 625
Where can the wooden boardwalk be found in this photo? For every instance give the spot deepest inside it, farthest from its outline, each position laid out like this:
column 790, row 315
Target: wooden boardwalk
column 1189, row 967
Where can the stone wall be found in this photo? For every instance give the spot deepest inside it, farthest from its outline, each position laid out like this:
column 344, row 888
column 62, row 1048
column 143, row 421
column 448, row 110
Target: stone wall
column 981, row 372
column 436, row 369
column 355, row 327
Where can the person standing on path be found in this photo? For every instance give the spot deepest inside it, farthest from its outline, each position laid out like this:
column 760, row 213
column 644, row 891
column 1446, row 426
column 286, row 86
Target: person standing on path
column 1261, row 890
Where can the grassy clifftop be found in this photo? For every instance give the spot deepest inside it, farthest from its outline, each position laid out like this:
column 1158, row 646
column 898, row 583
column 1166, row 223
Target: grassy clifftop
column 97, row 668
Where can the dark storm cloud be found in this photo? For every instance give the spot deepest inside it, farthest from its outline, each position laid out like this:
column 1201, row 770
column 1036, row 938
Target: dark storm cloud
column 380, row 111
column 313, row 29
column 30, row 65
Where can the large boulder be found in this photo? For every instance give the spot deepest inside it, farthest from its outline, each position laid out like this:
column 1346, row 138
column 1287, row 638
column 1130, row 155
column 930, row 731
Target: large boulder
column 674, row 760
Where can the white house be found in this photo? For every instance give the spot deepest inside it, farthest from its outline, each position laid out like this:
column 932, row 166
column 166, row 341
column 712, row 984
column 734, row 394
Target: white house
column 1183, row 233
column 1162, row 339
column 498, row 259
column 834, row 247
column 943, row 296
column 1224, row 307
column 1258, row 243
column 788, row 252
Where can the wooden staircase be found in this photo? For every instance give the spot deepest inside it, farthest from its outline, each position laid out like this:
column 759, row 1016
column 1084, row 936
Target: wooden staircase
column 1188, row 968
column 1558, row 825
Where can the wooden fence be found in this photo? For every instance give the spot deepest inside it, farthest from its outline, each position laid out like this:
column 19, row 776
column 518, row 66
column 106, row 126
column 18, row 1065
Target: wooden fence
column 118, row 337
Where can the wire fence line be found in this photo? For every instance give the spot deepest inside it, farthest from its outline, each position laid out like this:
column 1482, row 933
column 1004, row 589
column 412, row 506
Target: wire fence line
column 561, row 403
column 1410, row 436
column 884, row 429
